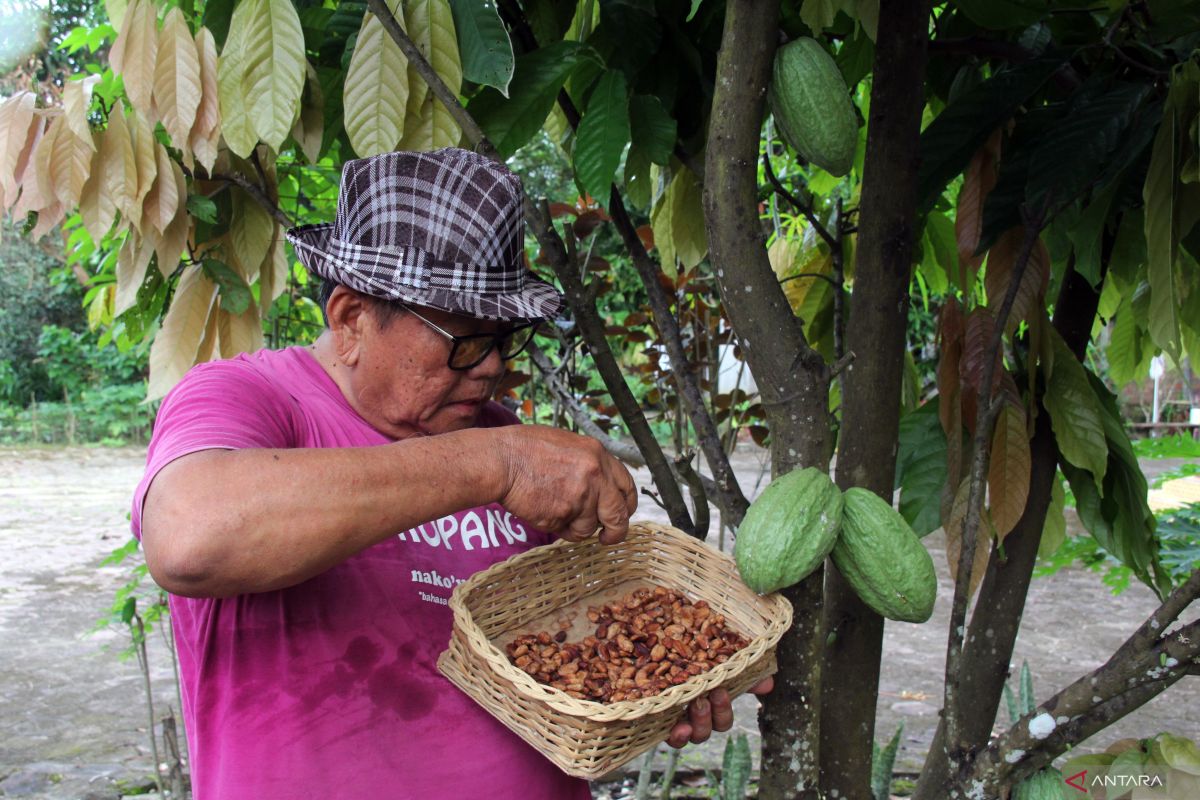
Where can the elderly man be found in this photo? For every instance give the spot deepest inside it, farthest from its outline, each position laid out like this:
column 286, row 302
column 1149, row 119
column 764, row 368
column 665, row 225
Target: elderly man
column 311, row 509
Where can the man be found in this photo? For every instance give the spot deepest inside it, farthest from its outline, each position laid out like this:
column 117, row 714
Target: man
column 311, row 509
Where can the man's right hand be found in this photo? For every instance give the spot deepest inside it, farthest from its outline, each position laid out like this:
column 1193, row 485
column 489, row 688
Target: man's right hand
column 565, row 483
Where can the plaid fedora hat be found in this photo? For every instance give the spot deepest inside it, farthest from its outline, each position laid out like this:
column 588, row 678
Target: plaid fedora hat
column 440, row 229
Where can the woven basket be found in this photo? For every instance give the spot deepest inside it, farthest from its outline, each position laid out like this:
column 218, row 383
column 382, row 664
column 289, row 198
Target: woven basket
column 583, row 737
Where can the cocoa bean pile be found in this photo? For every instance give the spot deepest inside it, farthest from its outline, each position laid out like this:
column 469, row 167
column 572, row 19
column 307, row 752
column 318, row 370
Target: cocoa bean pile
column 648, row 640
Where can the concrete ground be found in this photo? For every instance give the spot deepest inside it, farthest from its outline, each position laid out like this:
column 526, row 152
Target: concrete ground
column 73, row 716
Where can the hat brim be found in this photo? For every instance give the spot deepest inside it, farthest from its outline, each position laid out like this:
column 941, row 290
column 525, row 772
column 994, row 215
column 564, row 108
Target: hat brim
column 535, row 300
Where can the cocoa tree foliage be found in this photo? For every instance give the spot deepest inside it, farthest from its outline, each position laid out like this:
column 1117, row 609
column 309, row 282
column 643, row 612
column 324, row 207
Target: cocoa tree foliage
column 1057, row 171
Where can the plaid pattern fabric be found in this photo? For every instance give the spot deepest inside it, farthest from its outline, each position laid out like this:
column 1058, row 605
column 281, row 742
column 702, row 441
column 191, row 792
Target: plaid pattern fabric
column 440, row 229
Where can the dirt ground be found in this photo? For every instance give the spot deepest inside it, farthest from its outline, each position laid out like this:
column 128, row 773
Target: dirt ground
column 73, row 716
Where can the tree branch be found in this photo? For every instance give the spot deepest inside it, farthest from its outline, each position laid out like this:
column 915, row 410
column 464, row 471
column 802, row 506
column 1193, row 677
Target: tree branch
column 257, row 195
column 581, row 299
column 1137, row 672
column 804, row 208
column 627, row 453
column 728, row 496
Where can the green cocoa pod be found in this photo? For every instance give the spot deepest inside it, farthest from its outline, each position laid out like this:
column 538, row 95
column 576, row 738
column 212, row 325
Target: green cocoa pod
column 789, row 530
column 1045, row 784
column 812, row 107
column 883, row 560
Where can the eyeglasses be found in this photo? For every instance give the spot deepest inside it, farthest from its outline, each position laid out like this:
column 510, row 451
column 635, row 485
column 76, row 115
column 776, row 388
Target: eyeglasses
column 469, row 351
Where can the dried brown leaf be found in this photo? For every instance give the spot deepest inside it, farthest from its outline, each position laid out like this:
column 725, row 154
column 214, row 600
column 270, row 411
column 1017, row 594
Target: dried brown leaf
column 1031, row 292
column 1008, row 469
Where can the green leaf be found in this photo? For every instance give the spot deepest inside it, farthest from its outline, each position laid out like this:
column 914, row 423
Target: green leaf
column 818, row 14
column 921, row 468
column 652, row 128
column 1075, row 413
column 1128, row 346
column 128, row 610
column 235, row 294
column 637, row 177
column 1014, row 712
column 510, row 123
column 953, row 137
column 695, row 8
column 1000, row 15
column 273, row 79
column 1087, row 233
column 1076, row 150
column 486, row 50
column 1054, row 531
column 1028, row 699
column 202, row 208
column 882, row 764
column 855, row 58
column 1162, row 233
column 602, row 136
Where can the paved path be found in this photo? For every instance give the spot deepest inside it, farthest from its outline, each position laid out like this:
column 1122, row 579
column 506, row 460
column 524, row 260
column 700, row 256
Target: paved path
column 72, row 714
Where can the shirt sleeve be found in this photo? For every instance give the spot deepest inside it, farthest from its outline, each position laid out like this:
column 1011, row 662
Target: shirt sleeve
column 227, row 405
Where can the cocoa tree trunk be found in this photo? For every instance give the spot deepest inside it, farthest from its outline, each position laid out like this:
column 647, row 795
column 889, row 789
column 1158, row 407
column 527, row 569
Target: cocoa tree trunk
column 793, row 379
column 871, row 398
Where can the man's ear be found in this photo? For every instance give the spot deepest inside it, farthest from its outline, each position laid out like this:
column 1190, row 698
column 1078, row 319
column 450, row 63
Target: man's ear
column 349, row 313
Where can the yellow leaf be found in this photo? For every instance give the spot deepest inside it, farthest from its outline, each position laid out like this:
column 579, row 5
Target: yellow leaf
column 664, row 239
column 272, row 278
column 274, row 69
column 77, row 99
column 131, row 271
column 206, row 130
column 162, row 202
column 116, row 12
column 430, row 23
column 418, row 127
column 16, row 116
column 135, row 52
column 798, row 264
column 100, row 311
column 178, row 339
column 146, row 166
column 240, row 333
column 175, row 236
column 309, row 130
column 687, row 218
column 376, row 89
column 70, row 166
column 177, row 86
column 235, row 122
column 251, row 232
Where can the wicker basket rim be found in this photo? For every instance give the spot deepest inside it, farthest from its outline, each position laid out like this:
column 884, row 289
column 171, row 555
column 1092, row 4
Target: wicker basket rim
column 774, row 607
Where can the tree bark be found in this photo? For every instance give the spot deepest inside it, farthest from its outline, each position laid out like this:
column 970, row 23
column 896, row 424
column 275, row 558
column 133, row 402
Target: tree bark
column 873, row 380
column 1006, row 584
column 793, row 379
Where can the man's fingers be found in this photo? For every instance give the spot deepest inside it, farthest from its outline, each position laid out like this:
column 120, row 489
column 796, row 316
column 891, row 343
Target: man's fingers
column 681, row 734
column 764, row 686
column 722, row 710
column 700, row 717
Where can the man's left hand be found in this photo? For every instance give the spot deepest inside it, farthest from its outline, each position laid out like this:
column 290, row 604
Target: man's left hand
column 711, row 713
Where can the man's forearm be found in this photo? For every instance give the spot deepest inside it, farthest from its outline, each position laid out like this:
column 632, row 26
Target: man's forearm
column 224, row 522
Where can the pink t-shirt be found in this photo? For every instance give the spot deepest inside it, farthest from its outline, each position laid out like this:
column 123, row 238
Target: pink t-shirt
column 330, row 688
